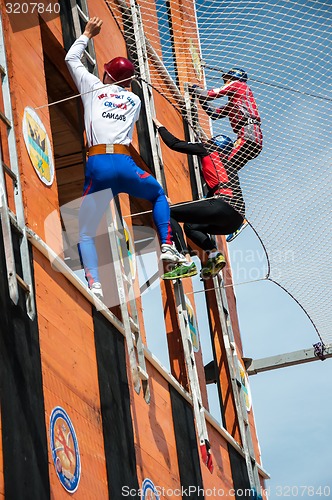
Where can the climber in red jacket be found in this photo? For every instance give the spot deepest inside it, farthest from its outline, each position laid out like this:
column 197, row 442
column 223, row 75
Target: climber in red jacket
column 242, row 111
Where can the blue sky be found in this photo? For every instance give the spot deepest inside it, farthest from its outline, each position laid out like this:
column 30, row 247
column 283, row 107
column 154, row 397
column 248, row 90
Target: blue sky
column 292, row 408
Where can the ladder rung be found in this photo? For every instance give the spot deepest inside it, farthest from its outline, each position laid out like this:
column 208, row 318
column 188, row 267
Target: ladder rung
column 118, row 233
column 246, row 421
column 134, row 325
column 88, row 56
column 13, row 221
column 82, row 14
column 143, row 375
column 9, row 171
column 23, row 284
column 5, row 120
column 127, row 279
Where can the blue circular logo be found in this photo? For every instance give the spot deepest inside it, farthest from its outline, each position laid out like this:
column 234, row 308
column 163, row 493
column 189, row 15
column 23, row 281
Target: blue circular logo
column 149, row 490
column 64, row 448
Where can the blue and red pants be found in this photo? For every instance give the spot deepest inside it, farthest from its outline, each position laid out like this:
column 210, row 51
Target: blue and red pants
column 106, row 176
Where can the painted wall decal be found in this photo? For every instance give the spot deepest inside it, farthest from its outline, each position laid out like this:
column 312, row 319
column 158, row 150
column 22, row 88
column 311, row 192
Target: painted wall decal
column 38, row 145
column 64, row 448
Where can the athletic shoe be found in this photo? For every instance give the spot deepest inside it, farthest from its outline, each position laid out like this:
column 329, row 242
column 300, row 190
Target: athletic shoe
column 170, row 254
column 213, row 266
column 181, row 271
column 232, row 236
column 97, row 290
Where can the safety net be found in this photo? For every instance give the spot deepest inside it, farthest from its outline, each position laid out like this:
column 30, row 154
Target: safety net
column 283, row 46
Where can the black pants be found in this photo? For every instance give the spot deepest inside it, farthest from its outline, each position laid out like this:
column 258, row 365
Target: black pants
column 203, row 218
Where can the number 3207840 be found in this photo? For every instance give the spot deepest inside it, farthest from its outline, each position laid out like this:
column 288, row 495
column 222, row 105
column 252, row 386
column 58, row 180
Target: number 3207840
column 32, row 7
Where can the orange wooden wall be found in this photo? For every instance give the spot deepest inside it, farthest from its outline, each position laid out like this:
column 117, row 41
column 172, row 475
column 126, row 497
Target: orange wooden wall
column 69, row 370
column 26, row 70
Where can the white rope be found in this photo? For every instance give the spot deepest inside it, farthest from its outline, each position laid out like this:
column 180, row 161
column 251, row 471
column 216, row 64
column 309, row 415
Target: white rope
column 171, row 205
column 230, row 285
column 83, row 93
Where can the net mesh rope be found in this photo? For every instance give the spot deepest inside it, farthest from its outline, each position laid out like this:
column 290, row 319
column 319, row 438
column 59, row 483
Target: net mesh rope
column 283, row 47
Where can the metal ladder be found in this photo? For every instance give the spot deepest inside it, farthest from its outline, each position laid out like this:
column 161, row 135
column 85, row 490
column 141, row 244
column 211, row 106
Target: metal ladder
column 233, row 365
column 189, row 105
column 178, row 289
column 228, row 337
column 8, row 218
column 123, row 276
column 80, row 13
column 126, row 293
column 195, row 390
column 143, row 62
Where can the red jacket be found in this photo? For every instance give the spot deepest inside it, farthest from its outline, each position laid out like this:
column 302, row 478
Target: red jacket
column 215, row 172
column 241, row 109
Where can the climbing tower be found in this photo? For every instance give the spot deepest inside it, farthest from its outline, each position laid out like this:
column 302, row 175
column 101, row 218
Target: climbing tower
column 102, row 398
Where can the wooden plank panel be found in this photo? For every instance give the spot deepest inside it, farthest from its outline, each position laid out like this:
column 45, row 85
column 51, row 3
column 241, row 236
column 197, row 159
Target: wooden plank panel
column 70, row 374
column 93, row 475
column 53, row 23
column 116, row 406
column 228, row 411
column 104, row 50
column 154, row 434
column 157, row 414
column 232, row 309
column 158, row 474
column 125, row 210
column 222, row 474
column 39, row 199
column 2, row 485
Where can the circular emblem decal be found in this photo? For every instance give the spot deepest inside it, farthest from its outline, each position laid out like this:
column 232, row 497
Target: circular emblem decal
column 195, row 57
column 38, row 146
column 130, row 249
column 245, row 386
column 64, row 448
column 149, row 490
column 192, row 325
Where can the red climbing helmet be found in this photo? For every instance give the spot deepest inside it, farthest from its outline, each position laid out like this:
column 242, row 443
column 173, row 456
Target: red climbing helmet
column 120, row 69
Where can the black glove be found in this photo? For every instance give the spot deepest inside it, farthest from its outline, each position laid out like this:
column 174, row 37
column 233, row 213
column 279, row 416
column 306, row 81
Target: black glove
column 192, row 88
column 196, row 90
column 211, row 111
